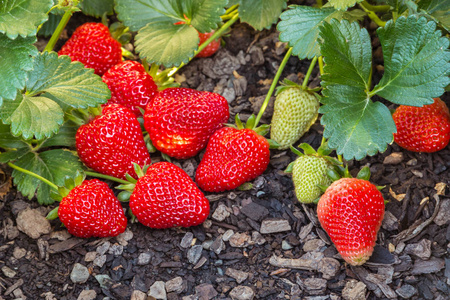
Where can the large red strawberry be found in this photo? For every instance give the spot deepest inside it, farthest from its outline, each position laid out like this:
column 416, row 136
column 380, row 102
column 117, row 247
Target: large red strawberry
column 167, row 197
column 180, row 120
column 422, row 129
column 93, row 45
column 351, row 211
column 92, row 210
column 211, row 48
column 112, row 142
column 130, row 85
column 233, row 157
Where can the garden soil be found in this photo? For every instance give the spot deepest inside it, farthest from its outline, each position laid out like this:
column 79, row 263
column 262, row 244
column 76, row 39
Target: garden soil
column 257, row 243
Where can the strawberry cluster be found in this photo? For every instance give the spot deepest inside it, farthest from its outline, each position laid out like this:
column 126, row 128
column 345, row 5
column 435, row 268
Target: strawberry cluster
column 179, row 122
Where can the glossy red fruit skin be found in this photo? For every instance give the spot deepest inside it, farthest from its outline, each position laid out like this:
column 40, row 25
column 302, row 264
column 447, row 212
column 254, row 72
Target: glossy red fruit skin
column 92, row 210
column 351, row 211
column 93, row 45
column 180, row 120
column 232, row 157
column 211, row 48
column 167, row 197
column 111, row 142
column 422, row 129
column 130, row 86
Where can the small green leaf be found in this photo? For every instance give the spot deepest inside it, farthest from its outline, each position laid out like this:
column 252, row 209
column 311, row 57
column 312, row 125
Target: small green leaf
column 344, row 4
column 137, row 14
column 299, row 26
column 21, row 17
column 261, row 14
column 416, row 61
column 53, row 165
column 167, row 44
column 65, row 136
column 8, row 141
column 347, row 54
column 12, row 155
column 354, row 125
column 33, row 116
column 205, row 13
column 16, row 58
column 69, row 82
column 97, row 8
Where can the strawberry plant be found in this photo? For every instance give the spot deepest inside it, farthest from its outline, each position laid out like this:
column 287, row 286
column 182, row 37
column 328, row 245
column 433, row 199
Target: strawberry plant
column 416, row 65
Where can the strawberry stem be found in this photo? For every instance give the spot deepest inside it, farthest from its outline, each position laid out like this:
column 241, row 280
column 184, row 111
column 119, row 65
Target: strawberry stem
column 62, row 24
column 273, row 85
column 376, row 8
column 371, row 14
column 216, row 35
column 308, row 73
column 112, row 178
column 321, row 65
column 51, row 184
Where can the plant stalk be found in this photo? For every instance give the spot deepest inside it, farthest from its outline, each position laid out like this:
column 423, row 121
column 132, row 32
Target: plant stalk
column 308, row 73
column 376, row 8
column 112, row 178
column 55, row 36
column 51, row 184
column 372, row 15
column 216, row 35
column 273, row 85
column 321, row 65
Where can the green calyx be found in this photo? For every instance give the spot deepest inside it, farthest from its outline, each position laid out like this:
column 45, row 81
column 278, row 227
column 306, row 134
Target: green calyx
column 68, row 5
column 69, row 184
column 250, row 124
column 128, row 187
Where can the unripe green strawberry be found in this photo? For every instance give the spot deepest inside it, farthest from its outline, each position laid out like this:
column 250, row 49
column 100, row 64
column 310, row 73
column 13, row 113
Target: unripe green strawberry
column 295, row 110
column 308, row 173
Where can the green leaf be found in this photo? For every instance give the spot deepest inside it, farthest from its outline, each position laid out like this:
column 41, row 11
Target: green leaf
column 16, row 58
column 167, row 44
column 49, row 27
column 32, row 116
column 416, row 61
column 53, row 165
column 8, row 141
column 299, row 26
column 12, row 155
column 54, row 85
column 69, row 82
column 438, row 9
column 21, row 17
column 205, row 14
column 65, row 136
column 354, row 125
column 137, row 14
column 344, row 4
column 347, row 54
column 97, row 8
column 261, row 14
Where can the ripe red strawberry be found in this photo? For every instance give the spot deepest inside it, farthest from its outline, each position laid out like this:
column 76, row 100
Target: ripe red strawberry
column 422, row 129
column 112, row 142
column 167, row 197
column 233, row 157
column 211, row 48
column 130, row 85
column 93, row 45
column 180, row 120
column 351, row 211
column 92, row 210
